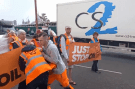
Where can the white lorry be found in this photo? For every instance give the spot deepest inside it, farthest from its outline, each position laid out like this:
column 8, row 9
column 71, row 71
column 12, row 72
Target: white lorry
column 114, row 20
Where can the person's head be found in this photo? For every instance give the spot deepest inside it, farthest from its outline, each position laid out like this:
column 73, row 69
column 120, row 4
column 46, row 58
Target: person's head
column 28, row 29
column 8, row 30
column 21, row 34
column 43, row 39
column 68, row 30
column 12, row 33
column 95, row 34
column 51, row 32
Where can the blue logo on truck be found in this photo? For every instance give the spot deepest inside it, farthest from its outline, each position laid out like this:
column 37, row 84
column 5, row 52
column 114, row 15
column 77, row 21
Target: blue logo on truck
column 103, row 20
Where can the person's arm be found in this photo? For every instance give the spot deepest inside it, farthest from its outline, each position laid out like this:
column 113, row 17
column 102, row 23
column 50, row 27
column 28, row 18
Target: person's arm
column 53, row 58
column 63, row 47
column 21, row 64
column 15, row 45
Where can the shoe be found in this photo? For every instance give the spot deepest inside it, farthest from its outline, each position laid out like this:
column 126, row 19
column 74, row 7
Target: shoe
column 73, row 83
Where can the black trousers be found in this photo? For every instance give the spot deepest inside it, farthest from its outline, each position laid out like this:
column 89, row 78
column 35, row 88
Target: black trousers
column 22, row 85
column 41, row 82
column 94, row 66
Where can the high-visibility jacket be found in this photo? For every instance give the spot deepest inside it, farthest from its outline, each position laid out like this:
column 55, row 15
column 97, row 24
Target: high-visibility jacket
column 19, row 43
column 15, row 38
column 67, row 41
column 35, row 42
column 94, row 40
column 54, row 40
column 35, row 64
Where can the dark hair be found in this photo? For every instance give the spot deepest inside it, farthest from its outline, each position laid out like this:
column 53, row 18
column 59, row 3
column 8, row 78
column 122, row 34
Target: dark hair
column 95, row 33
column 35, row 36
column 43, row 34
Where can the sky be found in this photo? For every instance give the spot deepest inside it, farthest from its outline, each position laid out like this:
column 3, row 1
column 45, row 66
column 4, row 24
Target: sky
column 25, row 9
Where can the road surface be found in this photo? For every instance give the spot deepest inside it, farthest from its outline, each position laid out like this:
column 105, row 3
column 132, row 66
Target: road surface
column 117, row 72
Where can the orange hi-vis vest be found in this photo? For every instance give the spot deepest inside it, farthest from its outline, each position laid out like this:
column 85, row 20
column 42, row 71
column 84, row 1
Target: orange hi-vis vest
column 35, row 42
column 54, row 40
column 67, row 41
column 19, row 43
column 15, row 38
column 35, row 64
column 94, row 40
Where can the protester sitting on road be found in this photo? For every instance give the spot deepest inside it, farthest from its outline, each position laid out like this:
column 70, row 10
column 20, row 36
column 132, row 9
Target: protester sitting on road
column 12, row 39
column 22, row 39
column 95, row 40
column 51, row 54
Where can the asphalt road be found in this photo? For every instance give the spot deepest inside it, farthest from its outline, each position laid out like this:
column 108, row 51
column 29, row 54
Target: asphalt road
column 117, row 72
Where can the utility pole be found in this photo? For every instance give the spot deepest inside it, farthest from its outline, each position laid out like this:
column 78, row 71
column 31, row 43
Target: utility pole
column 36, row 15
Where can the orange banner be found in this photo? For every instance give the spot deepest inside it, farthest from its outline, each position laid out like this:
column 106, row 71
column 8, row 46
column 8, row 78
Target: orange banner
column 10, row 73
column 83, row 52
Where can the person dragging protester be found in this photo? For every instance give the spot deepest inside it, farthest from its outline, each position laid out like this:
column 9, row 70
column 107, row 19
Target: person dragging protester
column 51, row 54
column 66, row 40
column 35, row 67
column 95, row 40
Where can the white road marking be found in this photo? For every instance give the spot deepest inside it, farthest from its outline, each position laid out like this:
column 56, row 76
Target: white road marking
column 100, row 69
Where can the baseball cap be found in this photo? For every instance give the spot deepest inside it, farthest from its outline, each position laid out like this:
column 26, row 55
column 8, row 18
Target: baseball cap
column 67, row 27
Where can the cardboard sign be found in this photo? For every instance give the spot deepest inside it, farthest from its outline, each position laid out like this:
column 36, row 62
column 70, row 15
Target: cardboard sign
column 10, row 73
column 84, row 52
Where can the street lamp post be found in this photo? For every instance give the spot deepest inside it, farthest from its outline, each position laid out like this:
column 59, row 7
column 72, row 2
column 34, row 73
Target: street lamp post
column 36, row 15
